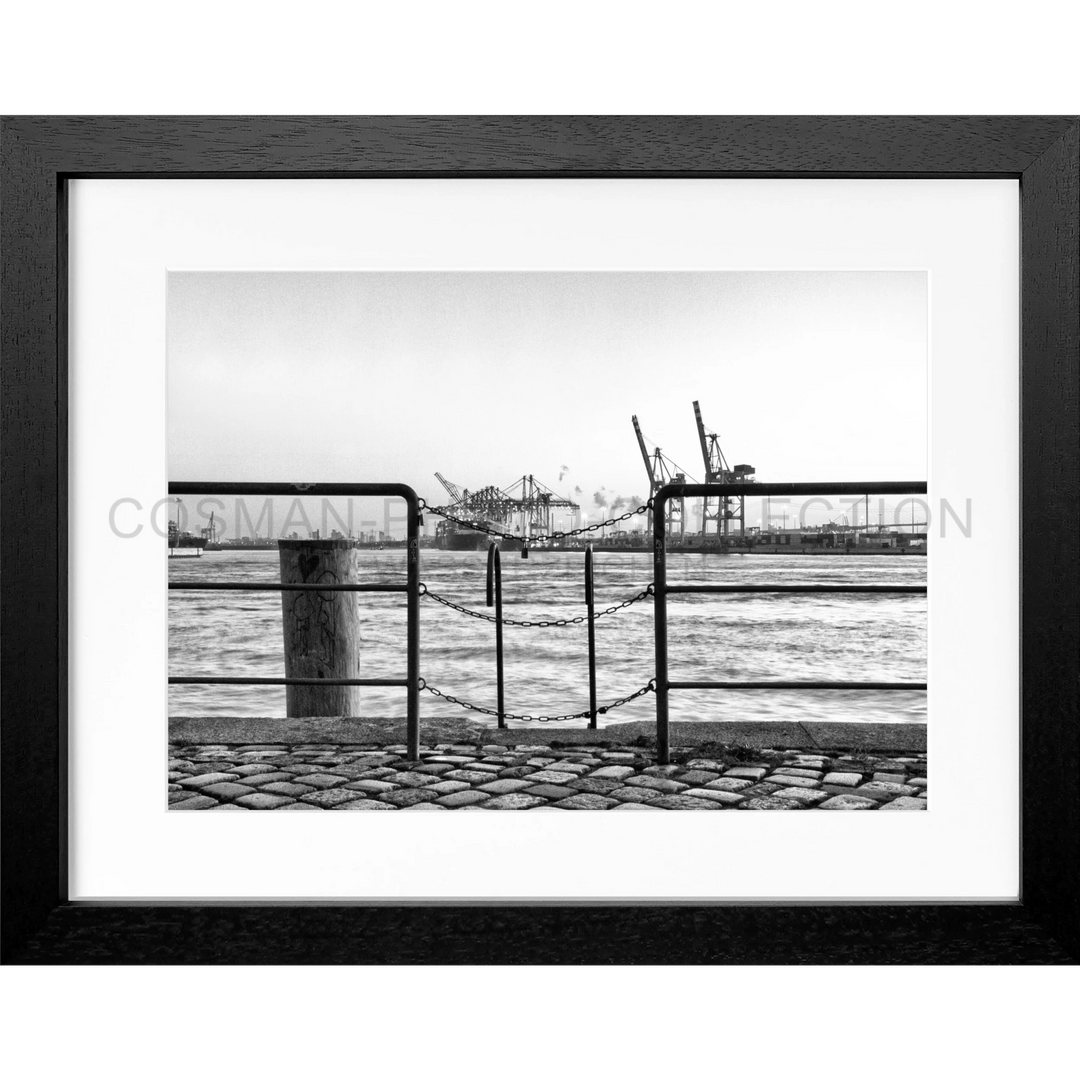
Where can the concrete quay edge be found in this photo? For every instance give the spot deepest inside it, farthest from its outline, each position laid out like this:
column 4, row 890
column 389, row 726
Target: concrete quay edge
column 778, row 735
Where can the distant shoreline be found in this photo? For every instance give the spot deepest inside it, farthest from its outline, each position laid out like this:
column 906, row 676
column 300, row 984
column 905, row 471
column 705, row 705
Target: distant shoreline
column 616, row 549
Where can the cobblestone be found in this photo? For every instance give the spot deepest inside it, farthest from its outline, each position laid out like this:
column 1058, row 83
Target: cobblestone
column 503, row 787
column 694, row 777
column 848, row 802
column 517, row 801
column 585, row 801
column 612, row 772
column 684, row 802
column 843, row 779
column 879, row 789
column 905, row 802
column 259, row 779
column 635, row 794
column 715, row 794
column 206, row 779
column 470, row 776
column 463, row 798
column 794, row 781
column 594, row 785
column 292, row 791
column 372, row 787
column 761, row 790
column 260, row 800
column 516, row 772
column 361, row 777
column 408, row 796
column 657, row 783
column 747, row 774
column 550, row 791
column 771, row 802
column 810, row 796
column 415, row 780
column 448, row 787
column 332, row 798
column 729, row 783
column 380, row 773
column 226, row 791
column 196, row 802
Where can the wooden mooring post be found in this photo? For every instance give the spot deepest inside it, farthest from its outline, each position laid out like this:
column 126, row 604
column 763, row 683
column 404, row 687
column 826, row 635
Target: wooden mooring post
column 321, row 629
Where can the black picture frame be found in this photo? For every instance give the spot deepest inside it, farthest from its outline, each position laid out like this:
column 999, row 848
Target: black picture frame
column 41, row 154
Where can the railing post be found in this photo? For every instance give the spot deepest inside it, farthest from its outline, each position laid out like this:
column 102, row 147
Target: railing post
column 589, row 606
column 412, row 724
column 660, row 627
column 494, row 587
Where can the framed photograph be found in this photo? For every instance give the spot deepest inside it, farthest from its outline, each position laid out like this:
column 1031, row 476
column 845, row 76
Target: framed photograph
column 404, row 465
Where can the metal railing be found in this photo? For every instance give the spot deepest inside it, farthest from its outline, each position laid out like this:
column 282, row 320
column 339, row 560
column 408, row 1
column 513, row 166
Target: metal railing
column 411, row 588
column 494, row 599
column 661, row 684
column 664, row 685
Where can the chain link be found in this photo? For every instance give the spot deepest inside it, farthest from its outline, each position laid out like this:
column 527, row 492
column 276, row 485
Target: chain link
column 648, row 688
column 476, row 526
column 575, row 621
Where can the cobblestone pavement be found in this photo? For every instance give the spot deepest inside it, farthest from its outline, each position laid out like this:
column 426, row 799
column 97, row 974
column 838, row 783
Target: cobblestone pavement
column 528, row 777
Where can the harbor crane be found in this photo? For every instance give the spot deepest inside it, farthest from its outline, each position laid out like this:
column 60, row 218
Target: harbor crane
column 728, row 507
column 451, row 489
column 536, row 502
column 525, row 507
column 662, row 470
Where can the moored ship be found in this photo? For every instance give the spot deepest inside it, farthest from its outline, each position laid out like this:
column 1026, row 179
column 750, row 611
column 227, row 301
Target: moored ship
column 454, row 536
column 184, row 544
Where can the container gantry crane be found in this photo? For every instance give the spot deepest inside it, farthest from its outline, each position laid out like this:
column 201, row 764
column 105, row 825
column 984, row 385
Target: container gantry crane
column 524, row 507
column 662, row 470
column 728, row 507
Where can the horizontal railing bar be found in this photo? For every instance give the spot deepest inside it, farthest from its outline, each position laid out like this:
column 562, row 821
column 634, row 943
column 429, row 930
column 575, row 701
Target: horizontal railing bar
column 230, row 680
column 704, row 684
column 795, row 588
column 193, row 487
column 266, row 586
column 868, row 487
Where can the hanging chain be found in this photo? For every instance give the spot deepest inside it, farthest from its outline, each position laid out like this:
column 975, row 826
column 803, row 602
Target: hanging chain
column 577, row 620
column 648, row 688
column 476, row 526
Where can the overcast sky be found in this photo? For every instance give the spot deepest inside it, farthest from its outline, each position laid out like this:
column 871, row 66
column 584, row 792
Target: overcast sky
column 370, row 376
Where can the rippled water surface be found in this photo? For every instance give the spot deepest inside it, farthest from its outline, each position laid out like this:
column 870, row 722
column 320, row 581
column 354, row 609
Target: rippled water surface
column 771, row 636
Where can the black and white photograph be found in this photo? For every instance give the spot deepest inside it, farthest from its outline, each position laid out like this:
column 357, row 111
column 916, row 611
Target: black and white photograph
column 525, row 540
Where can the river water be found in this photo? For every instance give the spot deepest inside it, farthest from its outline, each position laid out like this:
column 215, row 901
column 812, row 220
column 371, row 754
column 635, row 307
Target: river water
column 727, row 636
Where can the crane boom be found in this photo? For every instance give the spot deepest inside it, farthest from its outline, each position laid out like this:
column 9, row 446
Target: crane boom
column 704, row 443
column 452, row 489
column 644, row 453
